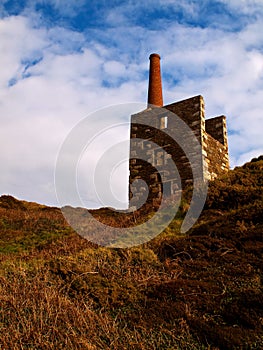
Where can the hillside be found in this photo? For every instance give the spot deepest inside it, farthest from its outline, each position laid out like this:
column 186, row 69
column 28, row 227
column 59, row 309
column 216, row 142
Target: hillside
column 199, row 291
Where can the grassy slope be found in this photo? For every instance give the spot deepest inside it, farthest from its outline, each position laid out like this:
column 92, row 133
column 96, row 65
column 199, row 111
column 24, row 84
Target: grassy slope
column 201, row 291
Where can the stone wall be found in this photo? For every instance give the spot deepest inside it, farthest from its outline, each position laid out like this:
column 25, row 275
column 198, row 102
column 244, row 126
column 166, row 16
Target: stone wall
column 216, row 127
column 154, row 148
column 215, row 147
column 192, row 112
column 216, row 157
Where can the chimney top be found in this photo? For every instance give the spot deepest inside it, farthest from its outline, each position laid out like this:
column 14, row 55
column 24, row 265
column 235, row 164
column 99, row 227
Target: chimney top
column 155, row 95
column 154, row 55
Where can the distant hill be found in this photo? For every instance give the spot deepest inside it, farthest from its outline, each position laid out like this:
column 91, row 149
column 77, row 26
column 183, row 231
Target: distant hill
column 202, row 290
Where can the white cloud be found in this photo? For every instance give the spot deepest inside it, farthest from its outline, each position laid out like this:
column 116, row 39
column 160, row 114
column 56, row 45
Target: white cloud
column 38, row 110
column 18, row 43
column 114, row 68
column 248, row 7
column 246, row 156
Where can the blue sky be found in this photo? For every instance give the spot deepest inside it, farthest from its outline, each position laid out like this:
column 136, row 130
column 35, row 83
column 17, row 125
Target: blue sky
column 62, row 60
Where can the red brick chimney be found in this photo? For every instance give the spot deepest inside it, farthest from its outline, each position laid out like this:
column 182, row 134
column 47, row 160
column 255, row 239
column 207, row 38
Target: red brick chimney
column 155, row 95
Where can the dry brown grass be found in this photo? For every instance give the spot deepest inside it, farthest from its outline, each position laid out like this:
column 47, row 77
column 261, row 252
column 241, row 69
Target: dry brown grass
column 203, row 291
column 80, row 302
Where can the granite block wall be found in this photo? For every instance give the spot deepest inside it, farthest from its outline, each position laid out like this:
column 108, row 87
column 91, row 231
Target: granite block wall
column 153, row 152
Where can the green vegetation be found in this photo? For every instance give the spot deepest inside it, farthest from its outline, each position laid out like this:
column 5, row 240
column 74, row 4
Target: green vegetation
column 200, row 291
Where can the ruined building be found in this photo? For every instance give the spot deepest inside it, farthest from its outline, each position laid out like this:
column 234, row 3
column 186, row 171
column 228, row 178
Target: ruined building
column 158, row 140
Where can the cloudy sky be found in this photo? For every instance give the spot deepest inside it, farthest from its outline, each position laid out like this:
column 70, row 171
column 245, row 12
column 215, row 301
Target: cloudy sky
column 64, row 59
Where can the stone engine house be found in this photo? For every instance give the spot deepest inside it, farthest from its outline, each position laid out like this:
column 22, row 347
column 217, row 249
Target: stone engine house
column 152, row 150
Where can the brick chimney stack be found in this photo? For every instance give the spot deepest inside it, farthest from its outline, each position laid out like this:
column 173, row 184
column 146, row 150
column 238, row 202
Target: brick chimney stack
column 155, row 95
